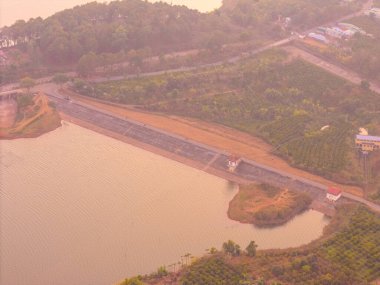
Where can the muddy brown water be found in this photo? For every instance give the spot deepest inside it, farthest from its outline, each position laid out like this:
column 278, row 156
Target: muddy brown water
column 81, row 208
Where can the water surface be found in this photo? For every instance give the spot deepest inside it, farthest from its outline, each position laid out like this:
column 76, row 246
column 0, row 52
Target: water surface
column 80, row 208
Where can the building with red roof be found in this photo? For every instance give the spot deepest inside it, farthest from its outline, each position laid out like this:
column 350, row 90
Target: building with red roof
column 333, row 194
column 233, row 162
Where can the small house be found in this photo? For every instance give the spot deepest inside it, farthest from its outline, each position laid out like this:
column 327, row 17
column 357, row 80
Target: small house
column 333, row 194
column 233, row 162
column 367, row 143
column 335, row 32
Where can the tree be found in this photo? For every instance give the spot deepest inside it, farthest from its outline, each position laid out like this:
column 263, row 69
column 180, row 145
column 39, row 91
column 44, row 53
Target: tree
column 87, row 64
column 215, row 42
column 60, row 79
column 133, row 281
column 251, row 249
column 365, row 84
column 161, row 271
column 27, row 83
column 231, row 248
column 136, row 58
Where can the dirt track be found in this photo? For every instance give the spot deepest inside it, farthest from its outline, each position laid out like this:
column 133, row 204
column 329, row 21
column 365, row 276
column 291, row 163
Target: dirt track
column 41, row 101
column 344, row 73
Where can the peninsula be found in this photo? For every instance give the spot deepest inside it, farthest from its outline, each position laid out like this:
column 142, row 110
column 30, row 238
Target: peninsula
column 27, row 116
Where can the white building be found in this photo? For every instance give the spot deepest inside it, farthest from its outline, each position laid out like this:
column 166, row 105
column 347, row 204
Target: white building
column 333, row 194
column 367, row 143
column 335, row 32
column 233, row 163
column 318, row 37
column 351, row 27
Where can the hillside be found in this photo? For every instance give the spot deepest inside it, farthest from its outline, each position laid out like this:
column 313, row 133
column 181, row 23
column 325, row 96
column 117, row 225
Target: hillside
column 130, row 30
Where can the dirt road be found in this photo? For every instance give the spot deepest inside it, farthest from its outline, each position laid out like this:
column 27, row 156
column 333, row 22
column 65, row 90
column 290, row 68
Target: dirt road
column 330, row 67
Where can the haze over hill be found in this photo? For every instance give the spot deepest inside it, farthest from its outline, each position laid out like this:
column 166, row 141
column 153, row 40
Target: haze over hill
column 13, row 10
column 278, row 97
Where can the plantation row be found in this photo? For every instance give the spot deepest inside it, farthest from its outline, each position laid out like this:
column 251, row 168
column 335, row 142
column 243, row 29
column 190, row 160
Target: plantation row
column 323, row 152
column 212, row 272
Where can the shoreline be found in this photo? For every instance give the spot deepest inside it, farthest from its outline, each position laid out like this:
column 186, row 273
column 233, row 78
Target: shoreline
column 265, row 206
column 32, row 135
column 172, row 156
column 230, row 177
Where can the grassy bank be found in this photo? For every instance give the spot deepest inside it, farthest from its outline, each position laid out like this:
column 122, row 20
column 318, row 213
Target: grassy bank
column 264, row 205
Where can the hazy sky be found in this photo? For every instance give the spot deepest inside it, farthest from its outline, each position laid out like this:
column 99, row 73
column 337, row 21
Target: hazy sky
column 12, row 10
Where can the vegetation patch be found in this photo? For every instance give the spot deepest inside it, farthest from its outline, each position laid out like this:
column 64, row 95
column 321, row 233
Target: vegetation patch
column 265, row 205
column 211, row 271
column 34, row 116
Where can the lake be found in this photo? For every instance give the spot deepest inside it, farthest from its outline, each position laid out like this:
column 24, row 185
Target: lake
column 81, row 208
column 12, row 10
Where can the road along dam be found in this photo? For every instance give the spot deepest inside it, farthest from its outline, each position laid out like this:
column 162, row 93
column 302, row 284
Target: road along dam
column 203, row 157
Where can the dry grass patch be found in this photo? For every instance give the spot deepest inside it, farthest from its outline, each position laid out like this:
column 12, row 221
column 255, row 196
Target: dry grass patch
column 265, row 205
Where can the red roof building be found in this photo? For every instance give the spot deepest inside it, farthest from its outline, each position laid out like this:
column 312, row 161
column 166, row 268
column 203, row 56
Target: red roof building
column 333, row 194
column 233, row 162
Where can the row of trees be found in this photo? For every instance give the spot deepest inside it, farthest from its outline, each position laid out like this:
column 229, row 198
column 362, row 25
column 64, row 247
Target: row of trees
column 233, row 249
column 28, row 83
column 304, row 14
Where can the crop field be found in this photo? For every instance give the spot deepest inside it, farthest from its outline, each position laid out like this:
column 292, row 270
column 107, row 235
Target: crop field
column 324, row 152
column 212, row 271
column 285, row 101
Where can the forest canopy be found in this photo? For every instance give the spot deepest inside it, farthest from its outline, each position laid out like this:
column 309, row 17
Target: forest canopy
column 121, row 26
